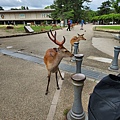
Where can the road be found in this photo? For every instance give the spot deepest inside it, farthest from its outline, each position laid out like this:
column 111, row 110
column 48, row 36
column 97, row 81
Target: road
column 37, row 44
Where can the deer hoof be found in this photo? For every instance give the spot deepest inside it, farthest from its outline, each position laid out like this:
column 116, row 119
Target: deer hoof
column 58, row 88
column 46, row 93
column 62, row 78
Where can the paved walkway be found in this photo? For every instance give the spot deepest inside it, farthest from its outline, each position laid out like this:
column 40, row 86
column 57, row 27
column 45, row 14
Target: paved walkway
column 23, row 83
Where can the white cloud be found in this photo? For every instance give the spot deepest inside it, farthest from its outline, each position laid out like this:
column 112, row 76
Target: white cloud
column 96, row 3
column 19, row 0
column 39, row 4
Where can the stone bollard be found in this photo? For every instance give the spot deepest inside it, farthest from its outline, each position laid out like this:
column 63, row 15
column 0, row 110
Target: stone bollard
column 76, row 45
column 77, row 112
column 114, row 65
column 78, row 59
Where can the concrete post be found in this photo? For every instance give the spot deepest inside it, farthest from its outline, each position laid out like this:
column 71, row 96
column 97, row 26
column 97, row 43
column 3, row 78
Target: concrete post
column 76, row 44
column 76, row 112
column 114, row 65
column 78, row 59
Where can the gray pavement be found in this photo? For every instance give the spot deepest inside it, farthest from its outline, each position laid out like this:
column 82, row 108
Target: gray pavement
column 23, row 83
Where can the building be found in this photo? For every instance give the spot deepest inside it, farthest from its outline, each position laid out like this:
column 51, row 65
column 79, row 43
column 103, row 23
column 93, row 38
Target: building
column 34, row 16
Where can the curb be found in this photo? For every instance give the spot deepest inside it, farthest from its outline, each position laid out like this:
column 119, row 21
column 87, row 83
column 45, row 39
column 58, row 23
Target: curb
column 26, row 34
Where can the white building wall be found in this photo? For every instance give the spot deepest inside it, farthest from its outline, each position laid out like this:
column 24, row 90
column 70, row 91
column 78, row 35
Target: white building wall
column 25, row 15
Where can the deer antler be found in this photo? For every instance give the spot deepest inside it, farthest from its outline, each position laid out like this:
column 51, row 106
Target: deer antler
column 54, row 38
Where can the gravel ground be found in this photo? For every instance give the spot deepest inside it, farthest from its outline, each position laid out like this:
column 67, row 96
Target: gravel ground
column 66, row 98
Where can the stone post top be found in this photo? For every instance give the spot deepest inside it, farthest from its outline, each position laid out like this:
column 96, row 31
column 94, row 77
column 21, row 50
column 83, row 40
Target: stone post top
column 118, row 47
column 78, row 55
column 78, row 77
column 76, row 43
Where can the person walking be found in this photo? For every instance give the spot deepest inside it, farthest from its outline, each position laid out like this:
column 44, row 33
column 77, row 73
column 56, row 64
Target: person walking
column 68, row 25
column 82, row 22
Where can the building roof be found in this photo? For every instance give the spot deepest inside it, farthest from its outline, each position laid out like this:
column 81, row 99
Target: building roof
column 30, row 10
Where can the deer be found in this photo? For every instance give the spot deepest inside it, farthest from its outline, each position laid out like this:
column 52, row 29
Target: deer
column 72, row 26
column 76, row 39
column 53, row 57
column 53, row 25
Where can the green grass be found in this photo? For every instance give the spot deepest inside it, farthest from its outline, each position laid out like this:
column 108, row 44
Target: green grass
column 108, row 27
column 20, row 28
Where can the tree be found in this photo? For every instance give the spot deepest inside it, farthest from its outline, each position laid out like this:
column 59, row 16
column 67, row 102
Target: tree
column 69, row 9
column 1, row 8
column 14, row 9
column 22, row 8
column 105, row 8
column 116, row 5
column 89, row 14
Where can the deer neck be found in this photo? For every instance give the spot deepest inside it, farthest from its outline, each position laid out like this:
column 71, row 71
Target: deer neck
column 55, row 64
column 58, row 59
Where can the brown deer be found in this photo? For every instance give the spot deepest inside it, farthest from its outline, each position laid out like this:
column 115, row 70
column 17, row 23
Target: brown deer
column 76, row 39
column 53, row 26
column 72, row 26
column 53, row 57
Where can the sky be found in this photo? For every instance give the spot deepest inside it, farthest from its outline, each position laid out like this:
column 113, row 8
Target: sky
column 39, row 4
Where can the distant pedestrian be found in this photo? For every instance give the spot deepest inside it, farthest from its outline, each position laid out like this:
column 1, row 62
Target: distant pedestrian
column 62, row 23
column 82, row 22
column 68, row 25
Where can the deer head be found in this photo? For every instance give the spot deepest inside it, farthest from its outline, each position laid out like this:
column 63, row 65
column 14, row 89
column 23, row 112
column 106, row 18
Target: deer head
column 76, row 39
column 81, row 37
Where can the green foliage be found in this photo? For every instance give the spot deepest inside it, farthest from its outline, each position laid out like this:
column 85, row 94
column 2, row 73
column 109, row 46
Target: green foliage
column 105, row 8
column 22, row 8
column 108, row 27
column 20, row 28
column 1, row 8
column 105, row 17
column 66, row 111
column 68, row 9
column 115, row 5
column 110, row 17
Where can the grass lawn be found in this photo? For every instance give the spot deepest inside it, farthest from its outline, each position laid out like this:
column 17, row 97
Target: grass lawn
column 20, row 28
column 108, row 27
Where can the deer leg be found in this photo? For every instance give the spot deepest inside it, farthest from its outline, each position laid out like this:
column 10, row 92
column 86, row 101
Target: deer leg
column 57, row 80
column 71, row 48
column 49, row 75
column 60, row 74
